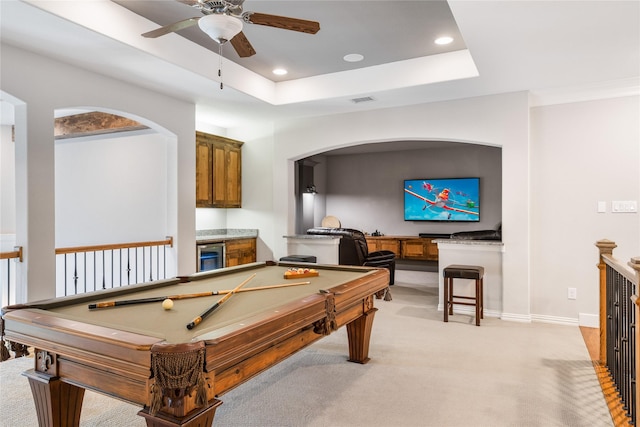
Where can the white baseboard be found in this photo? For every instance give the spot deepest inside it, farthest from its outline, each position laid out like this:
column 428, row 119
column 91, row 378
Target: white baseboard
column 569, row 321
column 470, row 311
column 586, row 319
column 513, row 317
column 589, row 320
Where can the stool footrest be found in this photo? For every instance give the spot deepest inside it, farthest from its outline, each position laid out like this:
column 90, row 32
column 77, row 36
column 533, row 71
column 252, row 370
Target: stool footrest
column 464, row 303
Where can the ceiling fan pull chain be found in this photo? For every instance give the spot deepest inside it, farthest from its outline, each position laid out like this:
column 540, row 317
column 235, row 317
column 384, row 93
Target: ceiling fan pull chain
column 220, row 65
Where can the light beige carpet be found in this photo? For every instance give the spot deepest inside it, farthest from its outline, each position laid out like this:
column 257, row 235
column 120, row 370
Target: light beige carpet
column 423, row 372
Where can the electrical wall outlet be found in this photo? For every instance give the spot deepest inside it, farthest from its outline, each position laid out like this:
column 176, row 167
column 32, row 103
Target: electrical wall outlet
column 572, row 293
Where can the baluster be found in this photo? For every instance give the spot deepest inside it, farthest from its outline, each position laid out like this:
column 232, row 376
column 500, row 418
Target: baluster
column 128, row 267
column 632, row 364
column 103, row 282
column 157, row 262
column 610, row 323
column 144, row 265
column 624, row 351
column 75, row 273
column 65, row 274
column 95, row 271
column 151, row 263
column 112, row 281
column 84, row 276
column 8, row 282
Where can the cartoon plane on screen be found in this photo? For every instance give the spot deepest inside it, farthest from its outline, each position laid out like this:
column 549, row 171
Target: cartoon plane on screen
column 441, row 201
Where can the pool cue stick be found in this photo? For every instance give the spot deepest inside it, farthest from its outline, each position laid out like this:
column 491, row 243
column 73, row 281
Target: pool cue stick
column 195, row 322
column 107, row 304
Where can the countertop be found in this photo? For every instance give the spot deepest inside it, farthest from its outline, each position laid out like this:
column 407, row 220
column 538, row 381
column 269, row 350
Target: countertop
column 311, row 236
column 470, row 242
column 220, row 235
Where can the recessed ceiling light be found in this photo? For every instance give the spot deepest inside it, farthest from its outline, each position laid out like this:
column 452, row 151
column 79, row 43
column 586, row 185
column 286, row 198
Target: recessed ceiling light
column 279, row 71
column 443, row 40
column 353, row 57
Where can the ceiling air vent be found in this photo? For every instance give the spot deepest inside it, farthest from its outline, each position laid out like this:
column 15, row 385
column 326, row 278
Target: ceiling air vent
column 363, row 99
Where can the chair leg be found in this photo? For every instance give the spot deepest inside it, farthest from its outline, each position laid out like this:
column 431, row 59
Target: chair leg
column 478, row 296
column 451, row 296
column 482, row 298
column 446, row 299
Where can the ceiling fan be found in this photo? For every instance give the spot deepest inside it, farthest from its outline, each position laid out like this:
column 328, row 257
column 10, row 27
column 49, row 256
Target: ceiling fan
column 223, row 20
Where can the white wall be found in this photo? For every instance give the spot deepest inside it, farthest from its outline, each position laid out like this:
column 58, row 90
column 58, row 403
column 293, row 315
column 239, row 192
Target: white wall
column 581, row 153
column 7, row 183
column 576, row 154
column 365, row 191
column 110, row 190
column 258, row 163
column 501, row 120
column 36, row 97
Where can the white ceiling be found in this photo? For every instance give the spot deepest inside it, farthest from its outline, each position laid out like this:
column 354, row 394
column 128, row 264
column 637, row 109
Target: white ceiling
column 559, row 50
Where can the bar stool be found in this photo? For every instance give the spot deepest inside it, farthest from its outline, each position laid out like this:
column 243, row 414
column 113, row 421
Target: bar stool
column 473, row 272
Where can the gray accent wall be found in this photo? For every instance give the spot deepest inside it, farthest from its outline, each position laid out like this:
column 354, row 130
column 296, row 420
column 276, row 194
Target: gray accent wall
column 365, row 191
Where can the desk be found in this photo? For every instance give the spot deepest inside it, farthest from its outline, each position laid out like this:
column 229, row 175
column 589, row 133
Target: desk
column 130, row 352
column 422, row 248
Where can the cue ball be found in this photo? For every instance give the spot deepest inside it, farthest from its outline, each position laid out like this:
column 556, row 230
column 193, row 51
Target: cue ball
column 167, row 304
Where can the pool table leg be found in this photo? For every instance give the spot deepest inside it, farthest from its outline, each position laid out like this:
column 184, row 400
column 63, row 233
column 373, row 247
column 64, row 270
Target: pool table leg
column 198, row 418
column 58, row 404
column 359, row 334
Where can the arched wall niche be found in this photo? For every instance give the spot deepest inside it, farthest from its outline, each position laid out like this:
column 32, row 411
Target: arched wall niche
column 113, row 170
column 361, row 183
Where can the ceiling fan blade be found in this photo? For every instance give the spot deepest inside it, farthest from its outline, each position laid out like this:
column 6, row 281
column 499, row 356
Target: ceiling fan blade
column 242, row 46
column 189, row 2
column 176, row 26
column 293, row 24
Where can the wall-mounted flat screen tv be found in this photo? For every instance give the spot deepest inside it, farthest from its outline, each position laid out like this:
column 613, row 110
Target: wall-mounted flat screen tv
column 452, row 199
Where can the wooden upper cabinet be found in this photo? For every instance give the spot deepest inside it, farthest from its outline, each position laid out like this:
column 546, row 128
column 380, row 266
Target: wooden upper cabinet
column 218, row 171
column 204, row 172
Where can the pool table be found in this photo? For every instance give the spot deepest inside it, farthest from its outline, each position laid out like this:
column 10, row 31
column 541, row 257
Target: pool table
column 146, row 355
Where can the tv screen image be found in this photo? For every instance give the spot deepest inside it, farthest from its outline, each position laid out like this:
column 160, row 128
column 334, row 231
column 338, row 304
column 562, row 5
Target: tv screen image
column 452, row 199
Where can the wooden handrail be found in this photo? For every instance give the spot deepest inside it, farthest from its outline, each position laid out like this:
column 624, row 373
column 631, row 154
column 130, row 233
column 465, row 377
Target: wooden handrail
column 14, row 254
column 76, row 249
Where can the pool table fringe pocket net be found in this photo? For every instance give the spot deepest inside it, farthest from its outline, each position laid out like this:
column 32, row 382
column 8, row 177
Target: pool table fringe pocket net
column 176, row 375
column 327, row 324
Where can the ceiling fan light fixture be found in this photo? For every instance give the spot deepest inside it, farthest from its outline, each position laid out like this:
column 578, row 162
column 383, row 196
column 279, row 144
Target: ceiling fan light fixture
column 220, row 27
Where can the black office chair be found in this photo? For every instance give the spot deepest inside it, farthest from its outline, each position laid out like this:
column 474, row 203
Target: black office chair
column 353, row 250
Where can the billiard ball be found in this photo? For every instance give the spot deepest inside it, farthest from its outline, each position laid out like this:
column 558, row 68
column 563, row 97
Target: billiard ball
column 167, row 304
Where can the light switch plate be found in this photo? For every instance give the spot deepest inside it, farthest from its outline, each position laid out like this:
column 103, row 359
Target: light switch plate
column 602, row 207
